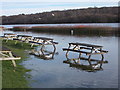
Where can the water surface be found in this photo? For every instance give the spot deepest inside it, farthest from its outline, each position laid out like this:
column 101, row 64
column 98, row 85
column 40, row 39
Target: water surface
column 54, row 73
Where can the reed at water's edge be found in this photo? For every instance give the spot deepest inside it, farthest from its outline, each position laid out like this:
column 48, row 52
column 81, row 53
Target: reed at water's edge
column 75, row 30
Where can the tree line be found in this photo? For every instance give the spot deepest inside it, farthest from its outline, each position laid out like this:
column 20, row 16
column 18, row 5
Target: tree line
column 89, row 15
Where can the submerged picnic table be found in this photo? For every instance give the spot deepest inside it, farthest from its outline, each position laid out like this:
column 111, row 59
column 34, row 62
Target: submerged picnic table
column 6, row 54
column 43, row 41
column 9, row 36
column 23, row 38
column 83, row 48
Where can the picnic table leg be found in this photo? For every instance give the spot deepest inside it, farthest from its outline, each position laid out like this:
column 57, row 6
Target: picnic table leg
column 6, row 40
column 16, row 42
column 42, row 52
column 43, row 45
column 14, row 64
column 75, row 61
column 13, row 61
column 89, row 59
column 53, row 53
column 67, row 52
column 32, row 44
column 101, row 60
column 79, row 57
column 54, row 46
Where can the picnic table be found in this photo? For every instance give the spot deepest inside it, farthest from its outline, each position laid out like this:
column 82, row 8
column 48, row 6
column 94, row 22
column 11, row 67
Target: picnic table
column 7, row 54
column 9, row 36
column 23, row 38
column 43, row 41
column 83, row 48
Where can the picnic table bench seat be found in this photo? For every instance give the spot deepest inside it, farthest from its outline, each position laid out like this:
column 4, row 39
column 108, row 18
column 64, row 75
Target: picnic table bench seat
column 43, row 38
column 87, row 45
column 87, row 53
column 9, row 34
column 35, row 42
column 15, row 39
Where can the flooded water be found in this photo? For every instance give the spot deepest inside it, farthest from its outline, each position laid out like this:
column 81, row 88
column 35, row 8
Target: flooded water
column 53, row 73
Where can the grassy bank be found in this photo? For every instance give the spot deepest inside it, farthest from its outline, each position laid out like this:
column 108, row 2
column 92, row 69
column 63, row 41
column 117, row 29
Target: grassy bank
column 15, row 77
column 77, row 30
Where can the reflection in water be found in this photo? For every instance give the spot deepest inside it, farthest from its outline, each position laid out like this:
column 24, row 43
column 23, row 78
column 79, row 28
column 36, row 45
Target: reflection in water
column 44, row 54
column 92, row 66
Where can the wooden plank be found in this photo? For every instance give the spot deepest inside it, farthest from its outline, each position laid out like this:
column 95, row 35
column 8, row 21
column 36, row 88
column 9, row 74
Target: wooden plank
column 88, row 53
column 23, row 36
column 54, row 42
column 43, row 38
column 9, row 34
column 10, row 58
column 65, row 49
column 91, row 49
column 15, row 39
column 88, row 45
column 96, row 53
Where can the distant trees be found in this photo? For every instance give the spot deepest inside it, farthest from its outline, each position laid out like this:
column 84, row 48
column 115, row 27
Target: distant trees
column 89, row 15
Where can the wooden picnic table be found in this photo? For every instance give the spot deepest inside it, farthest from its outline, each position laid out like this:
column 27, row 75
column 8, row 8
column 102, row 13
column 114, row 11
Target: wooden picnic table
column 43, row 41
column 9, row 36
column 23, row 38
column 83, row 48
column 6, row 54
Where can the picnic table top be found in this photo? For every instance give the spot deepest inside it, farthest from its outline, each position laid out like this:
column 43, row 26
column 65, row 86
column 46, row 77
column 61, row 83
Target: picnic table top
column 43, row 38
column 88, row 45
column 9, row 34
column 24, row 36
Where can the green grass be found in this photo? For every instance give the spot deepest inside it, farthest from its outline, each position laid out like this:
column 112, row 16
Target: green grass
column 15, row 77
